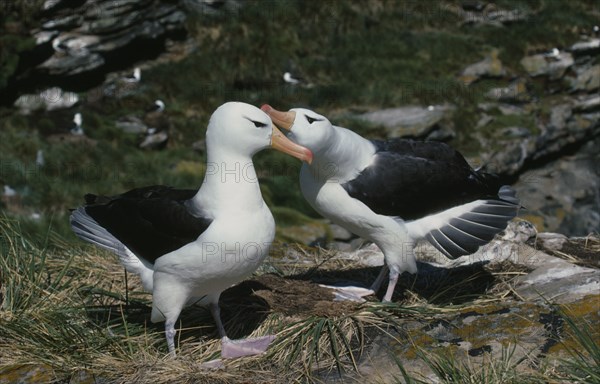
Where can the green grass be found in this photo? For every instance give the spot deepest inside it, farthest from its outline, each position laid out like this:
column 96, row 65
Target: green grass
column 63, row 307
column 357, row 54
column 63, row 303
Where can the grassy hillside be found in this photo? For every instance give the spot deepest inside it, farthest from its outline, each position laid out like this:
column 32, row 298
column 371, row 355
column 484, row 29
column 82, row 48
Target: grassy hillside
column 357, row 54
column 67, row 314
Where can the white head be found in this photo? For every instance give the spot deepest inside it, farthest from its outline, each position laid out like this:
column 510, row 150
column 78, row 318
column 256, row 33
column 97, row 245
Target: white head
column 242, row 129
column 160, row 105
column 303, row 126
column 77, row 119
column 288, row 78
column 137, row 73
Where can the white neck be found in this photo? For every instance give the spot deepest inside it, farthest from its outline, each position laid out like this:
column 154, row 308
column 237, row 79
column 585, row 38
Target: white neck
column 344, row 156
column 230, row 184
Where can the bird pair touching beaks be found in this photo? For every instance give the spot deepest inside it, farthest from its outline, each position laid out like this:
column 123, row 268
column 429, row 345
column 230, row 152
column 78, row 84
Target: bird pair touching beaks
column 188, row 246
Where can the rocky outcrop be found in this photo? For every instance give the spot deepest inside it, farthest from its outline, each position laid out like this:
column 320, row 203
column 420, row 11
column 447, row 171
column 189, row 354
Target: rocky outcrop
column 487, row 13
column 79, row 42
column 491, row 66
column 49, row 100
column 536, row 280
column 553, row 66
column 545, row 142
column 411, row 121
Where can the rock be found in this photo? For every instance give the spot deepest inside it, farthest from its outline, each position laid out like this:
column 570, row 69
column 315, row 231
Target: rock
column 313, row 233
column 563, row 195
column 510, row 109
column 587, row 80
column 551, row 241
column 483, row 121
column 515, row 92
column 589, row 47
column 558, row 280
column 559, row 116
column 213, row 7
column 478, row 334
column 488, row 14
column 515, row 132
column 542, row 65
column 486, row 337
column 156, row 140
column 409, row 121
column 588, row 104
column 551, row 277
column 519, row 231
column 50, row 99
column 85, row 40
column 131, row 124
column 507, row 150
column 491, row 66
column 27, row 373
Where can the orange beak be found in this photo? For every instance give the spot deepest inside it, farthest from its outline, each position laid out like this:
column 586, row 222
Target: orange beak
column 285, row 145
column 283, row 120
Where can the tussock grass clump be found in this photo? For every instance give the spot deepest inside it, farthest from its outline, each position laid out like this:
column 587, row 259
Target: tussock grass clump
column 65, row 312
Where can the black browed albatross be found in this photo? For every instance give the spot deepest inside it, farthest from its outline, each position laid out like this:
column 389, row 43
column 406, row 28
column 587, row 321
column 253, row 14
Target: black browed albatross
column 188, row 246
column 396, row 192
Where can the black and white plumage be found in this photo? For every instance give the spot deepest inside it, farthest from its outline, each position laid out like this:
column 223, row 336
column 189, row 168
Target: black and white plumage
column 158, row 126
column 554, row 53
column 291, row 79
column 188, row 246
column 135, row 77
column 77, row 128
column 396, row 192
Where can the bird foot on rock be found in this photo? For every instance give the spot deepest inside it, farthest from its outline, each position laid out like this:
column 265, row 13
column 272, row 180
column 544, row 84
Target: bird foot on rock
column 349, row 293
column 231, row 349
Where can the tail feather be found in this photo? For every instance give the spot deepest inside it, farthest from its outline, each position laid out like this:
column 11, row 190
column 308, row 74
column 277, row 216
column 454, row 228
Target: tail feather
column 462, row 230
column 86, row 228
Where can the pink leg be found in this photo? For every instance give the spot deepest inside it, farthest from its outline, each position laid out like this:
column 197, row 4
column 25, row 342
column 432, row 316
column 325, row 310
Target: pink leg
column 379, row 280
column 391, row 286
column 230, row 349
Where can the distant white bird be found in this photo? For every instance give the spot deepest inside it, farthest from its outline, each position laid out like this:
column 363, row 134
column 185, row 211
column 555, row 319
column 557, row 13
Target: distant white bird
column 554, row 53
column 39, row 158
column 9, row 192
column 290, row 79
column 135, row 77
column 430, row 108
column 58, row 46
column 152, row 121
column 158, row 106
column 77, row 129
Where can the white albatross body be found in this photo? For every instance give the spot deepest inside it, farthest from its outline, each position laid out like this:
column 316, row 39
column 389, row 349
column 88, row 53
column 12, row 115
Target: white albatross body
column 394, row 193
column 189, row 246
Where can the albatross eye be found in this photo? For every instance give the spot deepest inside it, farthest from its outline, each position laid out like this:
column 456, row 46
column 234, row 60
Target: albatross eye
column 258, row 124
column 311, row 119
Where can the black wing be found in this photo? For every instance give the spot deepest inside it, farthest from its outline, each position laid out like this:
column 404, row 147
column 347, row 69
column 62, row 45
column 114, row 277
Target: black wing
column 466, row 231
column 411, row 179
column 149, row 221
